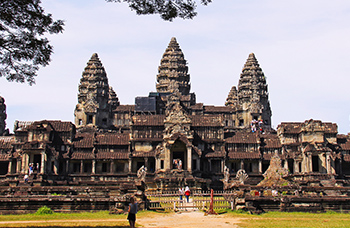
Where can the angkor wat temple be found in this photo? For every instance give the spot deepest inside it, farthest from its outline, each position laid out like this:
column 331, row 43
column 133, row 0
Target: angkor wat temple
column 177, row 140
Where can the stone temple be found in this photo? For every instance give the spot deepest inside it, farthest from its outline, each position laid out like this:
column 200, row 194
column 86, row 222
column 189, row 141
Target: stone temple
column 177, row 140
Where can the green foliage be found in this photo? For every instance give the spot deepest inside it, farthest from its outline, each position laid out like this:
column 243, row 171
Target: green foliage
column 44, row 211
column 23, row 23
column 167, row 9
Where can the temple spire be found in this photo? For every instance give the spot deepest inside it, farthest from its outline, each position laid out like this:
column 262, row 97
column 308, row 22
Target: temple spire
column 173, row 67
column 94, row 98
column 232, row 99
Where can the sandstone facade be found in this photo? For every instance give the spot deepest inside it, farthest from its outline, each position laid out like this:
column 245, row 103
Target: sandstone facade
column 178, row 140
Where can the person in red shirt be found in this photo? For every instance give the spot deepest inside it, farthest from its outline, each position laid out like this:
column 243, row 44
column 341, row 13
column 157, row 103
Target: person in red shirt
column 187, row 193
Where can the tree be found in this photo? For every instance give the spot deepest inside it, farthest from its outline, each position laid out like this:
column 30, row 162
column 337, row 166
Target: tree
column 168, row 9
column 23, row 47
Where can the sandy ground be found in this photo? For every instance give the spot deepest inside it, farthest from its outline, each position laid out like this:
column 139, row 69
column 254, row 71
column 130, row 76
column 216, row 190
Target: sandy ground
column 192, row 219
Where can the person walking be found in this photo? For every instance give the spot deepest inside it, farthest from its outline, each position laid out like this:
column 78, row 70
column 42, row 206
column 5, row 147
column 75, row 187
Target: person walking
column 132, row 212
column 187, row 194
column 181, row 193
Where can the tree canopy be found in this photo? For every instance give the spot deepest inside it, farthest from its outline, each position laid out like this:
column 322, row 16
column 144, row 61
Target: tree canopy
column 167, row 9
column 23, row 46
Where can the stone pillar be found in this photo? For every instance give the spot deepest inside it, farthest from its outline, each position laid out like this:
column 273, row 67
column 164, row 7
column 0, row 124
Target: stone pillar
column 146, row 163
column 167, row 158
column 43, row 161
column 130, row 163
column 296, row 168
column 111, row 168
column 223, row 166
column 189, row 159
column 310, row 162
column 81, row 166
column 242, row 164
column 157, row 164
column 260, row 166
column 55, row 168
column 9, row 167
column 67, row 166
column 328, row 164
column 93, row 170
column 286, row 164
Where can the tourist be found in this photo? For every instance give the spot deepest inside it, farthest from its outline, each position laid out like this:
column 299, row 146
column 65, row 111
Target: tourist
column 179, row 164
column 181, row 193
column 26, row 178
column 30, row 169
column 187, row 194
column 132, row 212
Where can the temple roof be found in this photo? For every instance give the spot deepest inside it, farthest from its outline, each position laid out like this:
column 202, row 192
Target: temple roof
column 148, row 120
column 244, row 137
column 207, row 121
column 91, row 139
column 173, row 67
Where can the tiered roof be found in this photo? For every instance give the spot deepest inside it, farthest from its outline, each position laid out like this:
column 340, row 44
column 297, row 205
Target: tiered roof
column 173, row 67
column 94, row 82
column 252, row 80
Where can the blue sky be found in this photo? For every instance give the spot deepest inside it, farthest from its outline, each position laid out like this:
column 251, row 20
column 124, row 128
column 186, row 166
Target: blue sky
column 302, row 46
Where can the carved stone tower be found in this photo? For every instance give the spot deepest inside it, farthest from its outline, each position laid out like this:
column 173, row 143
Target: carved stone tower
column 3, row 116
column 173, row 68
column 251, row 99
column 95, row 99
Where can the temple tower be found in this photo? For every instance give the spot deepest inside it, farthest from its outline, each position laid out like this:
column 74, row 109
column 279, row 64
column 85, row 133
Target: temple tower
column 95, row 99
column 251, row 99
column 3, row 116
column 232, row 99
column 173, row 68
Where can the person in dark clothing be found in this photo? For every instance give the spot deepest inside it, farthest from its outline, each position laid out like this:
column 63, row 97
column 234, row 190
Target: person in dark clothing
column 132, row 212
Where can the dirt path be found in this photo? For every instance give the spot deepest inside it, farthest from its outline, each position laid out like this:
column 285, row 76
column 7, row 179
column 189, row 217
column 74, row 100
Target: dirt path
column 189, row 220
column 192, row 219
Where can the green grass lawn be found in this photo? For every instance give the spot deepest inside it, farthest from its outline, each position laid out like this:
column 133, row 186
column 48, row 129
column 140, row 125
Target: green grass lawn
column 293, row 219
column 105, row 220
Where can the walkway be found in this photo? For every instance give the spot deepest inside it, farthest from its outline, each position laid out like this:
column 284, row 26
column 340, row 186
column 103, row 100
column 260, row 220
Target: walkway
column 193, row 219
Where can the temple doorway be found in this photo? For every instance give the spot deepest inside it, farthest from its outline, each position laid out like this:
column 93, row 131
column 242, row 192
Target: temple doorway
column 178, row 155
column 37, row 163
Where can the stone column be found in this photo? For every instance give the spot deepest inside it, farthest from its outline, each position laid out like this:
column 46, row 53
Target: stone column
column 111, row 168
column 242, row 164
column 9, row 171
column 286, row 164
column 67, row 166
column 328, row 164
column 296, row 168
column 167, row 158
column 223, row 166
column 93, row 170
column 260, row 166
column 146, row 163
column 55, row 168
column 43, row 160
column 81, row 166
column 130, row 163
column 189, row 159
column 157, row 164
